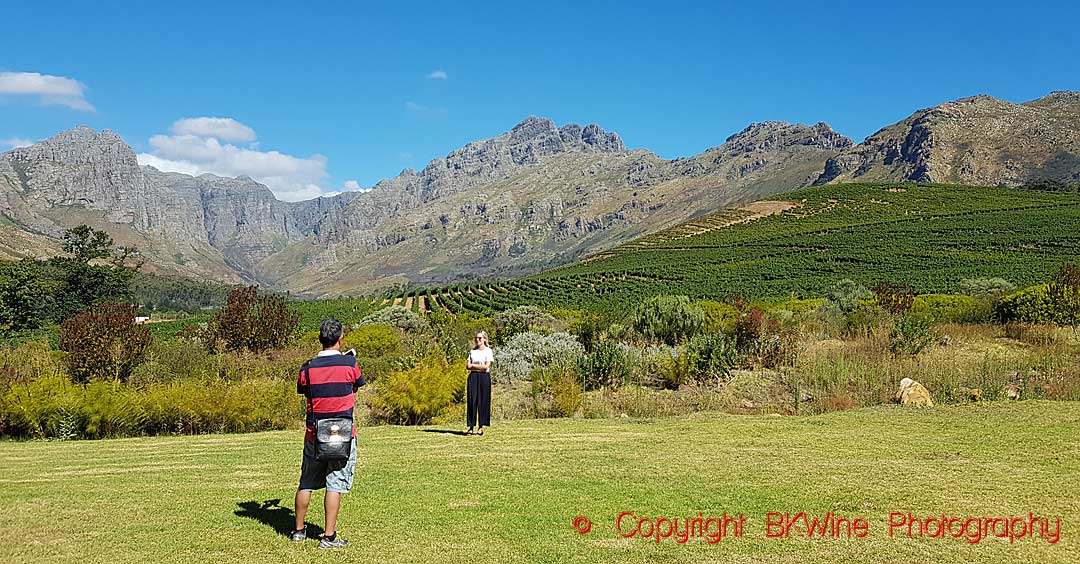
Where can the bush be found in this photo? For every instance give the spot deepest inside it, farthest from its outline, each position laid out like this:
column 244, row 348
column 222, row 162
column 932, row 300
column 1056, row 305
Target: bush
column 519, row 320
column 588, row 327
column 986, row 286
column 372, row 341
column 671, row 319
column 52, row 407
column 527, row 352
column 103, row 342
column 396, row 316
column 415, row 396
column 556, row 390
column 911, row 335
column 1030, row 305
column 1064, row 294
column 764, row 341
column 896, row 299
column 710, row 356
column 604, row 367
column 845, row 296
column 945, row 308
column 719, row 316
column 252, row 321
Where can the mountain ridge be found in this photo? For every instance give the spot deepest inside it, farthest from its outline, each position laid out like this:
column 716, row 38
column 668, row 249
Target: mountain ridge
column 535, row 196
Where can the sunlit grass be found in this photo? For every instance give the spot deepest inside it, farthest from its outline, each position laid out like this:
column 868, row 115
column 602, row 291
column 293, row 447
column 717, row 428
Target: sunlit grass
column 511, row 496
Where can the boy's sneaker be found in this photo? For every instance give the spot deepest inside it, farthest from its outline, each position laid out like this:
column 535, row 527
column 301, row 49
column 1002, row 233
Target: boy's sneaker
column 336, row 542
column 298, row 536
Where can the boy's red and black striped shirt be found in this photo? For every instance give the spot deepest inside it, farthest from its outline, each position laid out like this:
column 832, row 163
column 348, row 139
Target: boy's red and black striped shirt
column 334, row 378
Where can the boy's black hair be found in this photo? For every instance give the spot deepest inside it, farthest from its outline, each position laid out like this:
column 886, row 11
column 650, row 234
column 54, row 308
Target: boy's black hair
column 330, row 331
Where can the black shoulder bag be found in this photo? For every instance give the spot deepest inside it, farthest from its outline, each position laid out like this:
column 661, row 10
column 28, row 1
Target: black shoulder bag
column 333, row 436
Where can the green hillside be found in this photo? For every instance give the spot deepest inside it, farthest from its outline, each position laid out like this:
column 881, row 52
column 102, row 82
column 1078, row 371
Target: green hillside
column 925, row 235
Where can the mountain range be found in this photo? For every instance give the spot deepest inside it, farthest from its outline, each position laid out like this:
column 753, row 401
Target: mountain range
column 534, row 197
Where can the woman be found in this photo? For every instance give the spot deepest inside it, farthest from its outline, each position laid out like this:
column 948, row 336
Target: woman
column 479, row 388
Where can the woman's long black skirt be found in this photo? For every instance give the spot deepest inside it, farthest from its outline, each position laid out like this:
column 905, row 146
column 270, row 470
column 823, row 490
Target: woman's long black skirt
column 478, row 399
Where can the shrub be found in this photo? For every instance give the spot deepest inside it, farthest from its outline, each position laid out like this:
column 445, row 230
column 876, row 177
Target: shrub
column 710, row 356
column 588, row 327
column 894, row 298
column 175, row 359
column 671, row 319
column 414, row 396
column 372, row 341
column 718, row 316
column 252, row 321
column 764, row 341
column 911, row 335
column 986, row 286
column 526, row 352
column 1064, row 294
column 556, row 390
column 519, row 320
column 52, row 407
column 1030, row 305
column 396, row 316
column 103, row 342
column 604, row 367
column 945, row 308
column 845, row 296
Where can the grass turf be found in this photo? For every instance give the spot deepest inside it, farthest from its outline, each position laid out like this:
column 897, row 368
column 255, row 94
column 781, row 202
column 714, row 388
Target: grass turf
column 422, row 495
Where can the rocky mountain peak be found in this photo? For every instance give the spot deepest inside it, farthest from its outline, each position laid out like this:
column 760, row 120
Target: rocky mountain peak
column 1057, row 97
column 975, row 140
column 772, row 135
column 81, row 145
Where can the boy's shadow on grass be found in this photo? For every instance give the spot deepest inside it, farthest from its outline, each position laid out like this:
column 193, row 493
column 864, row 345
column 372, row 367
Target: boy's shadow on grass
column 447, row 432
column 270, row 513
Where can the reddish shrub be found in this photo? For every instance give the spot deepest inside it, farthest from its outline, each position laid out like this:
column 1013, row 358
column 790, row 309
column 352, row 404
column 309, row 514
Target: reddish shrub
column 103, row 342
column 252, row 321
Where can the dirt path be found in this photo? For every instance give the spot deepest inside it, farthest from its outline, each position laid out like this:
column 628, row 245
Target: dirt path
column 758, row 210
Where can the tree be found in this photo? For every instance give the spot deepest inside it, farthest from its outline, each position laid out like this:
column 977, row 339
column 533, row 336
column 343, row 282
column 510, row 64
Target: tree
column 252, row 321
column 27, row 296
column 87, row 244
column 103, row 342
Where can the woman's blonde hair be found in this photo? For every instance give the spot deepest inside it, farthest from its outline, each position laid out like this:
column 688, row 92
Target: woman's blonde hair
column 482, row 334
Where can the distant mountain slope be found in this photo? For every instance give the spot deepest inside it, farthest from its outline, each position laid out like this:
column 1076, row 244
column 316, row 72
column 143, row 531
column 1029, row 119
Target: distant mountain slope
column 535, row 196
column 930, row 236
column 979, row 140
column 539, row 196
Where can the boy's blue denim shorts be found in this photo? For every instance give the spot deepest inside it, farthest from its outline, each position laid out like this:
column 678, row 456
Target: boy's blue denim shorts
column 334, row 476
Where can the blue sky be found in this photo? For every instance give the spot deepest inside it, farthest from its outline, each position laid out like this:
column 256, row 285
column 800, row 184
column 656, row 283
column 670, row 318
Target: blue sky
column 319, row 94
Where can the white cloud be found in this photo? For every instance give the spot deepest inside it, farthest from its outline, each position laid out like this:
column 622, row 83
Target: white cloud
column 199, row 145
column 225, row 129
column 47, row 89
column 438, row 75
column 15, row 143
column 353, row 186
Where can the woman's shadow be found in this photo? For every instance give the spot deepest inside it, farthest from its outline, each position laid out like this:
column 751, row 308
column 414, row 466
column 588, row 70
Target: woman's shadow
column 270, row 513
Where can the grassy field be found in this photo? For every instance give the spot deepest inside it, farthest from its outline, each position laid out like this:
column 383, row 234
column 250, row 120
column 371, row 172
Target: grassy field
column 426, row 495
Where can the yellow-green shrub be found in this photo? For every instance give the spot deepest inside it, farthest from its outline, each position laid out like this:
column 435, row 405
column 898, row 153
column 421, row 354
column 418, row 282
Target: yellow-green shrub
column 719, row 316
column 946, row 308
column 372, row 341
column 1030, row 305
column 416, row 395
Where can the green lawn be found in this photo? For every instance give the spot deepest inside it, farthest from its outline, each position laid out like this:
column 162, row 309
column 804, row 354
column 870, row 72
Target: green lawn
column 511, row 496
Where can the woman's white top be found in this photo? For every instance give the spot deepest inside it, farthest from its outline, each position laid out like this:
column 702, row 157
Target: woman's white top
column 477, row 356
